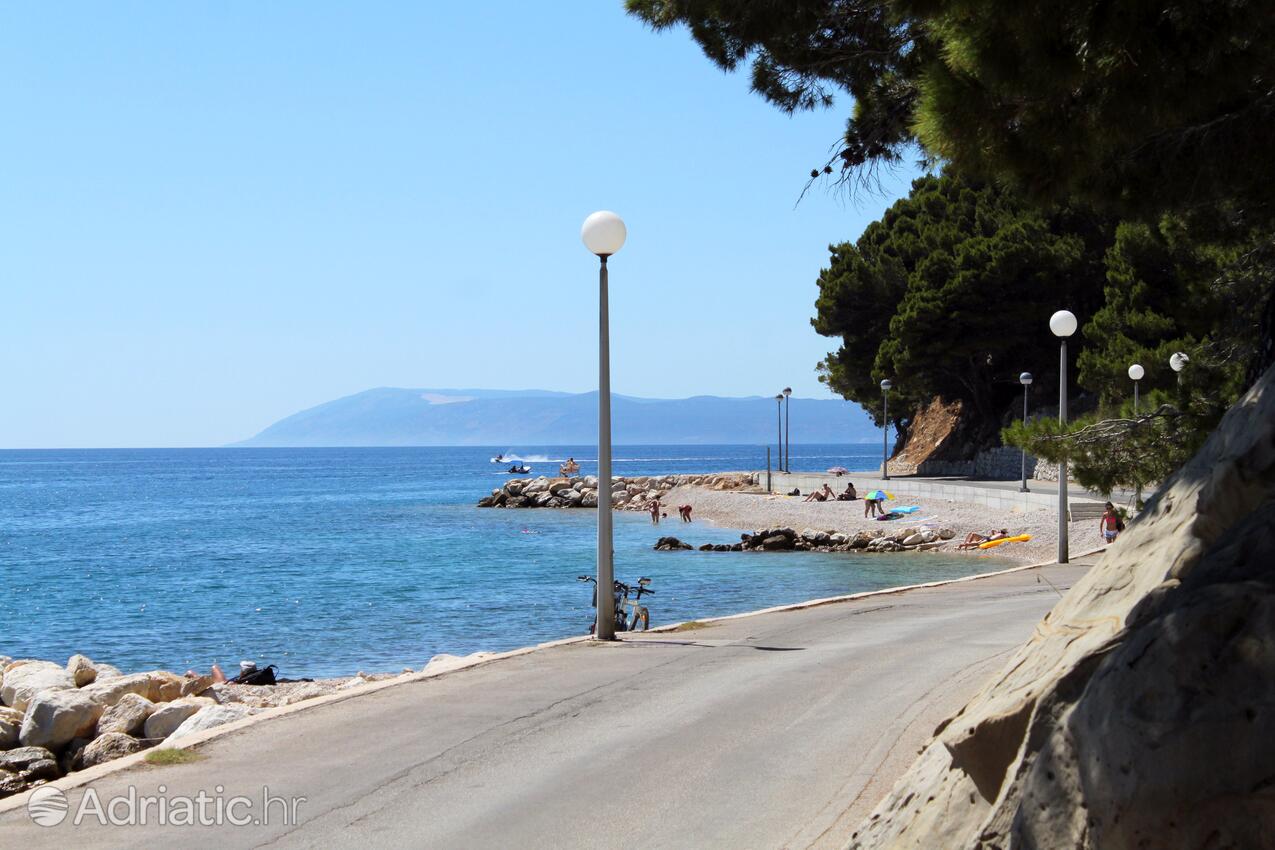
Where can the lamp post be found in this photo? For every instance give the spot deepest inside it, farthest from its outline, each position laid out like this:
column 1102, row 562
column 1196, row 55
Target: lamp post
column 1136, row 373
column 1026, row 380
column 1177, row 362
column 779, row 427
column 787, row 433
column 885, row 428
column 1062, row 324
column 603, row 233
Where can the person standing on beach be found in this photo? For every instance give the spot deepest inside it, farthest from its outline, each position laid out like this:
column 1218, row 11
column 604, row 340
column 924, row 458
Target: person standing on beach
column 1111, row 524
column 871, row 506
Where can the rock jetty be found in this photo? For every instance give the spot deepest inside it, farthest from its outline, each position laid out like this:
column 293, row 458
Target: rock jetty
column 812, row 540
column 631, row 494
column 56, row 719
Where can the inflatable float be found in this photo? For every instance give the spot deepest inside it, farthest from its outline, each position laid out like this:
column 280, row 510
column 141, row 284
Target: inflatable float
column 992, row 544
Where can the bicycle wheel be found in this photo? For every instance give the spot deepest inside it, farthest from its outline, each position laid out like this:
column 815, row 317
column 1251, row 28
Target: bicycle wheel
column 641, row 614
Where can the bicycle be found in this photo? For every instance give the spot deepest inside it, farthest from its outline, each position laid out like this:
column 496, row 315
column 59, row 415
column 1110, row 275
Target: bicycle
column 622, row 593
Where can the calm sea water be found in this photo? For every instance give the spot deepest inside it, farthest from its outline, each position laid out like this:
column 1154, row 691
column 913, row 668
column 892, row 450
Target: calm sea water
column 327, row 561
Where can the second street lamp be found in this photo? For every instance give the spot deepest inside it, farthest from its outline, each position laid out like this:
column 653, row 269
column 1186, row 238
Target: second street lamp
column 1136, row 372
column 885, row 428
column 1062, row 324
column 603, row 233
column 787, row 433
column 779, row 427
column 1026, row 380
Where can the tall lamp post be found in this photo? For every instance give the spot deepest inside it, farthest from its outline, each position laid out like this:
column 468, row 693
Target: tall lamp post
column 885, row 428
column 779, row 427
column 1177, row 362
column 787, row 433
column 1136, row 373
column 603, row 233
column 1026, row 380
column 1063, row 324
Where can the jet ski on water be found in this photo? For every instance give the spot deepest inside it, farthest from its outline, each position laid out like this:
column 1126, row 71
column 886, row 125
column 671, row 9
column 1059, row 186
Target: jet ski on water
column 517, row 469
column 500, row 458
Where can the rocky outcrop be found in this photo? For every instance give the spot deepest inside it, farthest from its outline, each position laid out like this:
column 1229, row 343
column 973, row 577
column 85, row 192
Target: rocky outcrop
column 812, row 540
column 54, row 717
column 633, row 494
column 1139, row 714
column 24, row 679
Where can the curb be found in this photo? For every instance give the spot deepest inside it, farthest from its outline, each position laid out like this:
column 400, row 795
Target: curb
column 84, row 777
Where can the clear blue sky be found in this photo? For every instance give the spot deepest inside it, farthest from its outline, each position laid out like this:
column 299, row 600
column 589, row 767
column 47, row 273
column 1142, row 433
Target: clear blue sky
column 216, row 214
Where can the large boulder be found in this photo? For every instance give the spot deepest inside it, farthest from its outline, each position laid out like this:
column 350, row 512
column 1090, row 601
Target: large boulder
column 155, row 685
column 54, row 717
column 109, row 747
column 81, row 670
column 209, row 717
column 1139, row 712
column 11, row 783
column 24, row 679
column 589, row 499
column 10, row 724
column 107, row 671
column 127, row 716
column 166, row 718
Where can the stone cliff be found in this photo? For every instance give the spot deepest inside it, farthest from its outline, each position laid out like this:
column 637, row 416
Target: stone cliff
column 1141, row 712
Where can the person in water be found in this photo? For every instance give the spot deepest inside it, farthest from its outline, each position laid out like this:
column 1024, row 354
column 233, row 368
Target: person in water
column 655, row 512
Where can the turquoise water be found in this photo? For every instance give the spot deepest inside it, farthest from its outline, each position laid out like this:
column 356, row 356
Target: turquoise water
column 327, row 561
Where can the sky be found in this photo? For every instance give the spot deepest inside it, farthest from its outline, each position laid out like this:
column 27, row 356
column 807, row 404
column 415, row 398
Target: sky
column 213, row 215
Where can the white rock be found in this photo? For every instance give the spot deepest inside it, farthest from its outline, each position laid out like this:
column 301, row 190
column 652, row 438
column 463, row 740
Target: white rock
column 209, row 717
column 167, row 717
column 127, row 716
column 81, row 669
column 54, row 717
column 24, row 679
column 108, row 747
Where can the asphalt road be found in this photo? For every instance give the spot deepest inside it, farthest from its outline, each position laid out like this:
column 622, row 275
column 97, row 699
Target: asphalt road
column 777, row 730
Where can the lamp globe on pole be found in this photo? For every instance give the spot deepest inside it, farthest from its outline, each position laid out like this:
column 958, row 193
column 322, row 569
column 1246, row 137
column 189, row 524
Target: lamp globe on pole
column 885, row 427
column 1025, row 379
column 787, row 431
column 1062, row 324
column 603, row 233
column 1136, row 373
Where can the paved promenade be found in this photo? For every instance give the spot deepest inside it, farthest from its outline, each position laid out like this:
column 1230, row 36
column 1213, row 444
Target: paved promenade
column 774, row 730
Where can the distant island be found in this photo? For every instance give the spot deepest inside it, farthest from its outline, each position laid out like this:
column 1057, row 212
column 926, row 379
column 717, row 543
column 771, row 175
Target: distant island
column 391, row 416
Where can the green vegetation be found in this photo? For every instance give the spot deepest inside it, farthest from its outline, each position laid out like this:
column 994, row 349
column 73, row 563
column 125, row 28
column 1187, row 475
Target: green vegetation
column 168, row 755
column 1110, row 158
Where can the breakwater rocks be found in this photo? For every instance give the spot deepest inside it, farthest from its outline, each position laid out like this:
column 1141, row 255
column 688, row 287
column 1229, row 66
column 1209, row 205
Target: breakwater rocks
column 812, row 540
column 632, row 494
column 56, row 719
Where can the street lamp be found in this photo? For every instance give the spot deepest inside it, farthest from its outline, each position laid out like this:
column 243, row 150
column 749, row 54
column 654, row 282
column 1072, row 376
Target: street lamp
column 787, row 437
column 1177, row 362
column 1062, row 324
column 779, row 427
column 1136, row 373
column 603, row 233
column 1026, row 380
column 885, row 427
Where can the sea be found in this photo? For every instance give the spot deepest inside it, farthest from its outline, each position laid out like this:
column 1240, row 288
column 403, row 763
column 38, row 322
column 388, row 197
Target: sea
column 325, row 562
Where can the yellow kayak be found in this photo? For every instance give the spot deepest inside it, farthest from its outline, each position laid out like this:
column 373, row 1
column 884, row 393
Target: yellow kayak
column 992, row 544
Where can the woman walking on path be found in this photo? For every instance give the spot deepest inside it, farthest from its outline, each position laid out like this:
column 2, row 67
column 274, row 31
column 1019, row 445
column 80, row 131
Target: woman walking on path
column 1111, row 524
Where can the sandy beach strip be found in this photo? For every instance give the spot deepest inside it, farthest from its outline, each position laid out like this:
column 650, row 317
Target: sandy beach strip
column 732, row 509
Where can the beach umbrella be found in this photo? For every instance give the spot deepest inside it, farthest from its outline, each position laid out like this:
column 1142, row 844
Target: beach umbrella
column 837, row 470
column 878, row 496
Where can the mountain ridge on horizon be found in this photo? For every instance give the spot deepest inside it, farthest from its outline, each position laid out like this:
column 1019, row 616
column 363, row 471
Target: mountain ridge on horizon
column 397, row 416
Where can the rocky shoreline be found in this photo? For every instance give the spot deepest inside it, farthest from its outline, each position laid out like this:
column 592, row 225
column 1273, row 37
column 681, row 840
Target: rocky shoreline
column 812, row 540
column 629, row 494
column 57, row 719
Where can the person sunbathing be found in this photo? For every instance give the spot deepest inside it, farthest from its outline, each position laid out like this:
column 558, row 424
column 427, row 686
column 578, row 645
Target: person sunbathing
column 821, row 495
column 973, row 540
